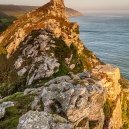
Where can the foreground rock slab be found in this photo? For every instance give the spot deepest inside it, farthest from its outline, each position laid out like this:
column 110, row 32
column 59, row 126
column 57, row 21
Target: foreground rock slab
column 43, row 120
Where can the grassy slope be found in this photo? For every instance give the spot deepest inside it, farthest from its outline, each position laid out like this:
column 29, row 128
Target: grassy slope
column 22, row 105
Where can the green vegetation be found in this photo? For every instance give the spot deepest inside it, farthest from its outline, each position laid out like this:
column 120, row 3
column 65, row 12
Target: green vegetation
column 107, row 109
column 22, row 105
column 7, row 20
column 125, row 111
column 9, row 80
column 93, row 124
column 125, row 103
column 76, row 31
column 62, row 51
column 5, row 23
column 124, row 83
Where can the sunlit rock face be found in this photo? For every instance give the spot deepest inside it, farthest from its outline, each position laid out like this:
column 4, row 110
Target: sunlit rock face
column 111, row 83
column 57, row 2
column 58, row 8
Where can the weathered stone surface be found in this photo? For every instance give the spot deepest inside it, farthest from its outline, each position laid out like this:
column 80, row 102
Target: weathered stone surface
column 80, row 97
column 22, row 72
column 77, row 102
column 35, row 104
column 31, row 91
column 58, row 8
column 44, row 70
column 72, row 66
column 58, row 80
column 3, row 106
column 84, row 75
column 111, row 84
column 43, row 120
column 19, row 62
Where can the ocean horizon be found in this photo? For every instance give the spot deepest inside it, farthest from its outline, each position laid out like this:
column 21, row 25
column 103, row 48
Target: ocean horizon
column 107, row 35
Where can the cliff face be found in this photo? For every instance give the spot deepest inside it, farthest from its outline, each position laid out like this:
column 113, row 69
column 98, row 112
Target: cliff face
column 43, row 60
column 111, row 84
column 72, row 13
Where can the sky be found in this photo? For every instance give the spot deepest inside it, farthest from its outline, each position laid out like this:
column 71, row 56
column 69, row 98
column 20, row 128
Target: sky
column 81, row 5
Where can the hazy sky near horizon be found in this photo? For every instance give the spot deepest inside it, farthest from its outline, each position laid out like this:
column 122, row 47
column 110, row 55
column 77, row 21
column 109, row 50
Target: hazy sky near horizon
column 81, row 5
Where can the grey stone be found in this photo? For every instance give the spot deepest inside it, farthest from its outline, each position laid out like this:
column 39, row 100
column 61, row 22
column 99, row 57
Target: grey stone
column 19, row 62
column 22, row 72
column 3, row 106
column 43, row 120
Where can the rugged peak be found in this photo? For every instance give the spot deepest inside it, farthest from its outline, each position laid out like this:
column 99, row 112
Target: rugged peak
column 57, row 2
column 57, row 8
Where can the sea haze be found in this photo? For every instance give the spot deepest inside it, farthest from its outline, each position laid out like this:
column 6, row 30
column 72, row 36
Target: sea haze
column 108, row 37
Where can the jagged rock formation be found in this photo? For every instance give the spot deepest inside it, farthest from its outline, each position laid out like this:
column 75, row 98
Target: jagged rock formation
column 114, row 90
column 82, row 100
column 66, row 83
column 43, row 120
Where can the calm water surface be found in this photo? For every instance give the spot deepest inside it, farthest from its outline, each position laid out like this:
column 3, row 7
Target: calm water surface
column 108, row 37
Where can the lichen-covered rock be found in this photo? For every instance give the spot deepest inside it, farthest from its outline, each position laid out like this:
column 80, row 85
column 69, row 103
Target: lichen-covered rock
column 44, row 70
column 111, row 83
column 3, row 106
column 18, row 62
column 42, row 120
column 80, row 102
column 22, row 72
column 58, row 80
column 81, row 98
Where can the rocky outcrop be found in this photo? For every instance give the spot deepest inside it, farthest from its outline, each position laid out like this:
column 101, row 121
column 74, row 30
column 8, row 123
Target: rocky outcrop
column 43, row 120
column 57, row 8
column 113, row 88
column 81, row 100
column 47, row 64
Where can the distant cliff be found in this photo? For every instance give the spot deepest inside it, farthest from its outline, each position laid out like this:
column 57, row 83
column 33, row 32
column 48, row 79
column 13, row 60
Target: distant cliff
column 72, row 13
column 17, row 10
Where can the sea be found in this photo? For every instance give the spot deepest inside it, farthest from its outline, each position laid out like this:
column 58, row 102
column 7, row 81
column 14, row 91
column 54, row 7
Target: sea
column 108, row 37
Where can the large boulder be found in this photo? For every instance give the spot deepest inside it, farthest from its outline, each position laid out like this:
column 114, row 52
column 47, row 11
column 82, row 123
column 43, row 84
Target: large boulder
column 43, row 120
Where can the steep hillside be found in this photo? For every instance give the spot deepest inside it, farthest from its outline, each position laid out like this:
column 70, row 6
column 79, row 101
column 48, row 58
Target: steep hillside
column 2, row 26
column 11, row 10
column 43, row 60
